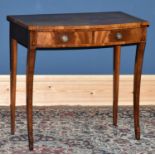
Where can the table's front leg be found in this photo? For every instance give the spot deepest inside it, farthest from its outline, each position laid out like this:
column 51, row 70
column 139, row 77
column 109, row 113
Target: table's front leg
column 29, row 93
column 116, row 72
column 137, row 81
column 13, row 72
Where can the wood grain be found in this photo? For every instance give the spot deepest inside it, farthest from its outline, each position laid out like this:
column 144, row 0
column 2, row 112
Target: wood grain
column 104, row 20
column 128, row 36
column 31, row 54
column 116, row 73
column 54, row 39
column 137, row 84
column 85, row 90
column 13, row 72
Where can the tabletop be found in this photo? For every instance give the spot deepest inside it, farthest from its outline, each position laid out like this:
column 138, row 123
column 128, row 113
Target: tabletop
column 113, row 19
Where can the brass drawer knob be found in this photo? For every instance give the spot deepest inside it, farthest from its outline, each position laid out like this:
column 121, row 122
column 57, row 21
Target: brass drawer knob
column 119, row 36
column 64, row 38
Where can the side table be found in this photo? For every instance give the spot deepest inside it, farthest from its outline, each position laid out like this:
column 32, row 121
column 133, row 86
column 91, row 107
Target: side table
column 76, row 30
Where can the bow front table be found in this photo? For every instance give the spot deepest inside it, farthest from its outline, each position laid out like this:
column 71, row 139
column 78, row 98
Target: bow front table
column 75, row 30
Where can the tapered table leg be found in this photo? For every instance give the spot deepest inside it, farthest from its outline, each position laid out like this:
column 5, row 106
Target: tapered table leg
column 116, row 72
column 13, row 70
column 137, row 81
column 29, row 94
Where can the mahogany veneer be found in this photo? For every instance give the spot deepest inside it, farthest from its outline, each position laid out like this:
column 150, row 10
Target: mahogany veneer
column 76, row 30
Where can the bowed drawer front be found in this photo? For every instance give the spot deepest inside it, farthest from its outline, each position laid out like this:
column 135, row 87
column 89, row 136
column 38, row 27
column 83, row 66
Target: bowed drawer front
column 64, row 39
column 119, row 36
column 90, row 38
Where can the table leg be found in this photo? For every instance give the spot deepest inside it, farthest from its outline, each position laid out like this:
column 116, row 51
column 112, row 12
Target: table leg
column 13, row 71
column 137, row 81
column 116, row 72
column 29, row 94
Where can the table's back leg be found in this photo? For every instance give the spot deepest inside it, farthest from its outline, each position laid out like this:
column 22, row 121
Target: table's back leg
column 13, row 71
column 137, row 81
column 116, row 72
column 29, row 94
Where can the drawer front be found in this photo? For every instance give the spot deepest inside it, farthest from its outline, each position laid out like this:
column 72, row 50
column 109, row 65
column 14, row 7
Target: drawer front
column 64, row 39
column 123, row 36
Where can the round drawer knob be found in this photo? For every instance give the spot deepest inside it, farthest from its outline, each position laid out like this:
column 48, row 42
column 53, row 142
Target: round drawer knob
column 119, row 36
column 64, row 38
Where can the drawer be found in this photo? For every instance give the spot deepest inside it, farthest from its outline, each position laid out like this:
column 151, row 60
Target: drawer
column 64, row 39
column 122, row 36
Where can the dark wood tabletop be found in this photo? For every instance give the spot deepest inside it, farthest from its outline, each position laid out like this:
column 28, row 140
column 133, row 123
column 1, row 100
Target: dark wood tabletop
column 59, row 21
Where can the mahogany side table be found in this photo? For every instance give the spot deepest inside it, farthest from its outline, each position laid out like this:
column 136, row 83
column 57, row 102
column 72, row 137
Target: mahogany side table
column 76, row 30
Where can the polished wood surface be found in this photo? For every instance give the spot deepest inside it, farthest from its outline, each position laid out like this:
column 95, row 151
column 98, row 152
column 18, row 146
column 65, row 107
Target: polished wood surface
column 137, row 81
column 76, row 30
column 13, row 72
column 116, row 72
column 54, row 39
column 129, row 36
column 77, row 20
column 31, row 54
